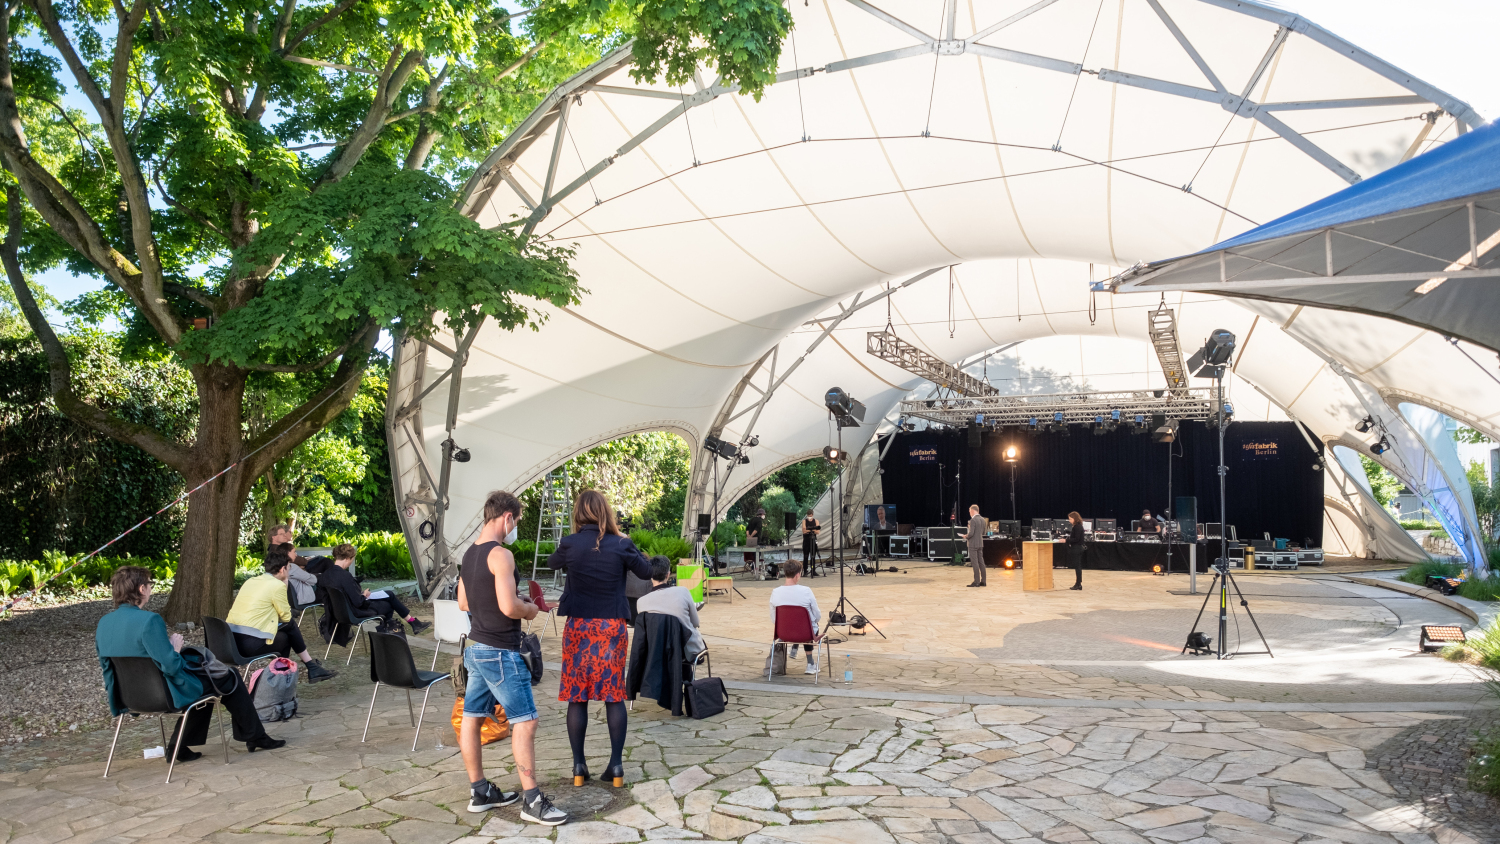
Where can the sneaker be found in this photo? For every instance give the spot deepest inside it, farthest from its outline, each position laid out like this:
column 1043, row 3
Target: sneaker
column 812, row 668
column 490, row 797
column 792, row 651
column 419, row 626
column 316, row 673
column 543, row 812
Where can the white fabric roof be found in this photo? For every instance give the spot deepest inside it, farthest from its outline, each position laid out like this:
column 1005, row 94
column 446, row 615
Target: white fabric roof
column 715, row 243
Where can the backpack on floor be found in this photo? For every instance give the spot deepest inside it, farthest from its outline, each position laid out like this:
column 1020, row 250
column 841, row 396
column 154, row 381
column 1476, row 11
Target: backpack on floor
column 273, row 689
column 706, row 697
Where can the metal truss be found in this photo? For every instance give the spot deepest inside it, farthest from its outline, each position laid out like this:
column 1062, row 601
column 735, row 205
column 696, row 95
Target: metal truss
column 1162, row 328
column 697, row 498
column 892, row 349
column 1063, row 408
column 554, row 109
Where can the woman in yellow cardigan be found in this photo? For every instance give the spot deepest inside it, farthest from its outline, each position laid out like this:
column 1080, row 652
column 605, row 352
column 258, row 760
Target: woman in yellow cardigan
column 261, row 619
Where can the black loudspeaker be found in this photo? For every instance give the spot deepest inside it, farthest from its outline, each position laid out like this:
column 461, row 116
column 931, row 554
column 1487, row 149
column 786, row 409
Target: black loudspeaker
column 791, row 521
column 1186, row 515
column 974, row 433
column 703, row 523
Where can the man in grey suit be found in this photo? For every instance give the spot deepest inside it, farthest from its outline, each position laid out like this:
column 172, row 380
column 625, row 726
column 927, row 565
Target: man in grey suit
column 975, row 535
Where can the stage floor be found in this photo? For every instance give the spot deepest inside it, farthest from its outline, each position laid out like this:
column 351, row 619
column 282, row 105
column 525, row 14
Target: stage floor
column 1121, row 636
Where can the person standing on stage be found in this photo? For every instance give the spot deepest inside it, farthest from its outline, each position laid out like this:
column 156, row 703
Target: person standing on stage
column 810, row 528
column 752, row 529
column 975, row 536
column 1148, row 524
column 1075, row 548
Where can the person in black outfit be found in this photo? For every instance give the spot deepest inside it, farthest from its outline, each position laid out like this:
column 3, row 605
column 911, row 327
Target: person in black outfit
column 389, row 608
column 752, row 528
column 1149, row 524
column 1075, row 548
column 810, row 528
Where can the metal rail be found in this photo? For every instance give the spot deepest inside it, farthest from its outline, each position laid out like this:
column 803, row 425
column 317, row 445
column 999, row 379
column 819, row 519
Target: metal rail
column 1065, row 408
column 892, row 349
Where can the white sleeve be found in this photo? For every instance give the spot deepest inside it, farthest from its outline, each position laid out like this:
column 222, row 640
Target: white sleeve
column 812, row 607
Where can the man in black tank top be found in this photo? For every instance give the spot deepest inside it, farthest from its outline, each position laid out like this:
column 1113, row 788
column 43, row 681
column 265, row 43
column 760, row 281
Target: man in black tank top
column 497, row 672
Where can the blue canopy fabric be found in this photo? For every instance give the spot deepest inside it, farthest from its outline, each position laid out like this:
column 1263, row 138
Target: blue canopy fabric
column 1464, row 167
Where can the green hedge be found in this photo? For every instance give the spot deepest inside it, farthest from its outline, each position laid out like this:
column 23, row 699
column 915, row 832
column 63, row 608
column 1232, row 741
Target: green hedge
column 1475, row 590
column 382, row 556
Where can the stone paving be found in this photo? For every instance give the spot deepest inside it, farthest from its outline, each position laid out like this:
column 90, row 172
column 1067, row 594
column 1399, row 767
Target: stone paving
column 1033, row 753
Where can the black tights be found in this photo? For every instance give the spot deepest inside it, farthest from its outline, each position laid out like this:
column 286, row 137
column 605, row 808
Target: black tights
column 578, row 725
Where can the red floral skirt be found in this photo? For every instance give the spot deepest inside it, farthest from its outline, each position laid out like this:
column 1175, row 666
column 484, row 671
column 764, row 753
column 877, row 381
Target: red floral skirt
column 593, row 660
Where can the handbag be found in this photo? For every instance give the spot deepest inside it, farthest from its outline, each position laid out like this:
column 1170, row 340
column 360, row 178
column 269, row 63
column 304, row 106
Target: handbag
column 531, row 653
column 218, row 674
column 491, row 729
column 460, row 673
column 706, row 697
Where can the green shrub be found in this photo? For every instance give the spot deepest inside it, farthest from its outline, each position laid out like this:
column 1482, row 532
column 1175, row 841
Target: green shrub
column 1417, row 573
column 382, row 556
column 1484, row 767
column 1481, row 590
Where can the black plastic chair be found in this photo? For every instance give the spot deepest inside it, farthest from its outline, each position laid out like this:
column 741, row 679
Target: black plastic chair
column 300, row 610
column 344, row 614
column 143, row 690
column 391, row 664
column 220, row 640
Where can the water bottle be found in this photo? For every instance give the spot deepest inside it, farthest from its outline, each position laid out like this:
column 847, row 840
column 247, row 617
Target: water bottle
column 848, row 671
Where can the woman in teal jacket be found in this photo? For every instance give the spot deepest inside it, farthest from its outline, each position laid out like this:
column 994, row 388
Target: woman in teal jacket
column 132, row 630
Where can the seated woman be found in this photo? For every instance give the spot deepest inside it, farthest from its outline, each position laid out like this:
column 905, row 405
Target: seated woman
column 672, row 600
column 302, row 583
column 131, row 630
column 262, row 621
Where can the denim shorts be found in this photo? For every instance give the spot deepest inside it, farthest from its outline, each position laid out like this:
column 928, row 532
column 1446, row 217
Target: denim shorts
column 498, row 677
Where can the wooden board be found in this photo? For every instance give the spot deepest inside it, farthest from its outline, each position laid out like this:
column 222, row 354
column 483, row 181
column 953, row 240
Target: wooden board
column 1036, row 568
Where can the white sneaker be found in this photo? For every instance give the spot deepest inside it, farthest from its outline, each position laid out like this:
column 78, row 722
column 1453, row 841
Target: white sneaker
column 811, row 669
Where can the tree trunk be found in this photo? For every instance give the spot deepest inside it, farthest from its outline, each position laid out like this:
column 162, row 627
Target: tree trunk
column 205, row 572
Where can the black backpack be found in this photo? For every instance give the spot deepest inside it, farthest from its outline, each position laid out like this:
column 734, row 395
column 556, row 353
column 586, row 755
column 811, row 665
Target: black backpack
column 531, row 652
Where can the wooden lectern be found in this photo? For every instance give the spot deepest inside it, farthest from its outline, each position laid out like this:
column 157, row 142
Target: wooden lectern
column 1036, row 566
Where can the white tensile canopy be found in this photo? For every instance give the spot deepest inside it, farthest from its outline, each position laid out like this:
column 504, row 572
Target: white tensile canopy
column 963, row 170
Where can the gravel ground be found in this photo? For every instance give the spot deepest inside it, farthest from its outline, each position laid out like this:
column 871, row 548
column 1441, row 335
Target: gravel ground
column 1426, row 763
column 49, row 673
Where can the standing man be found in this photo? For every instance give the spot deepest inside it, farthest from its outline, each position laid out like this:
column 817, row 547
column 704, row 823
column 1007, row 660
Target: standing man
column 975, row 535
column 497, row 672
column 752, row 530
column 794, row 594
column 1075, row 548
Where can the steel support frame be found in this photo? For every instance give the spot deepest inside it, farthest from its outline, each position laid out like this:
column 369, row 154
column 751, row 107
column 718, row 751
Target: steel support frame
column 1077, row 408
column 495, row 167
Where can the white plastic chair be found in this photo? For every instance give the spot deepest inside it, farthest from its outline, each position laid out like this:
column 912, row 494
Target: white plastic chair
column 449, row 624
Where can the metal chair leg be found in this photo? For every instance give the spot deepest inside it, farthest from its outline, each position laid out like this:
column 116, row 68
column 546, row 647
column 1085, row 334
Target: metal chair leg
column 328, row 650
column 409, row 712
column 118, row 723
column 350, row 659
column 366, row 733
column 418, row 733
column 177, row 745
column 437, row 647
column 163, row 727
column 223, row 739
column 770, row 661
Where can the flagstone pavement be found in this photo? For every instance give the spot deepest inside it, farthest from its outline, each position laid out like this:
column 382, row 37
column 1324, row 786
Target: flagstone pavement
column 1112, row 763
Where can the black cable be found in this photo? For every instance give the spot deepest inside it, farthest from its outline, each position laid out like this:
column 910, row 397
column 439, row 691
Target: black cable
column 1057, row 147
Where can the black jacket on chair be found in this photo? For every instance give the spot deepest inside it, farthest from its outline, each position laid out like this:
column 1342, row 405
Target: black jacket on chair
column 658, row 660
column 331, row 576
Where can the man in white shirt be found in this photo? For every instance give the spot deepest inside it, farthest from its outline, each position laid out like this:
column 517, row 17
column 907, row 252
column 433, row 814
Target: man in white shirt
column 794, row 594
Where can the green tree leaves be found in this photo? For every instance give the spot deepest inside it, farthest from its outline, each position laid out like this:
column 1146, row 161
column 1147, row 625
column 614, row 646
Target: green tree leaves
column 740, row 39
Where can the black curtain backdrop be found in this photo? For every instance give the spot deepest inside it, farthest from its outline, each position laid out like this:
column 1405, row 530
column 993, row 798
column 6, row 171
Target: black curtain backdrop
column 1115, row 475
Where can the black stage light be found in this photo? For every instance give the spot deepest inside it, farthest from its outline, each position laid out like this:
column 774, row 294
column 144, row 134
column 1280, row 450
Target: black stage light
column 1010, row 454
column 1365, row 424
column 1381, row 447
column 831, row 454
column 847, row 412
column 743, row 459
column 1209, row 361
column 752, row 442
column 1199, row 643
column 728, row 451
column 461, row 455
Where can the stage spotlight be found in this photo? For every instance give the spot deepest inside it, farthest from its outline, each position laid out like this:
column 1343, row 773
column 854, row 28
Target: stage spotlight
column 743, row 459
column 1381, row 447
column 1114, row 416
column 1165, row 433
column 1156, row 570
column 847, row 412
column 1317, row 467
column 1010, row 454
column 751, row 443
column 1199, row 644
column 1098, row 429
column 1009, row 563
column 831, row 454
column 1365, row 424
column 1209, row 361
column 908, row 426
column 714, row 445
column 459, row 455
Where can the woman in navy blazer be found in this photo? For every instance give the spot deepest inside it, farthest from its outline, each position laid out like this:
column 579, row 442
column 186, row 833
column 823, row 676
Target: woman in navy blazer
column 132, row 630
column 596, row 642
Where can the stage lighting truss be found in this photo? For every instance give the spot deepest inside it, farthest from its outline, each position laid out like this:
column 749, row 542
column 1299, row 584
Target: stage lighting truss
column 1058, row 410
column 892, row 349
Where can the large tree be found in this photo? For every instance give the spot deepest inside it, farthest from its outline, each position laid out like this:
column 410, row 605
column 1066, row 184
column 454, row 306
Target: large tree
column 264, row 186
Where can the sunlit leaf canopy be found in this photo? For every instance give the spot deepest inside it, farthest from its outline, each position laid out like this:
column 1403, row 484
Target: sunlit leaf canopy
column 1030, row 148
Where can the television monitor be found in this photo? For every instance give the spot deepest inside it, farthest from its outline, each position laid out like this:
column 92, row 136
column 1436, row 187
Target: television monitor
column 1006, row 527
column 1104, row 525
column 880, row 517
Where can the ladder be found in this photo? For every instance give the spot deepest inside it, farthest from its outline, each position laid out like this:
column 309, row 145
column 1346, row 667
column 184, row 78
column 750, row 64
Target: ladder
column 552, row 523
column 1163, row 331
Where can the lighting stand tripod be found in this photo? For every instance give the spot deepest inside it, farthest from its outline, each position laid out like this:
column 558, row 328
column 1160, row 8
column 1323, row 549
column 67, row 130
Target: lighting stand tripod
column 1222, row 579
column 840, row 518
